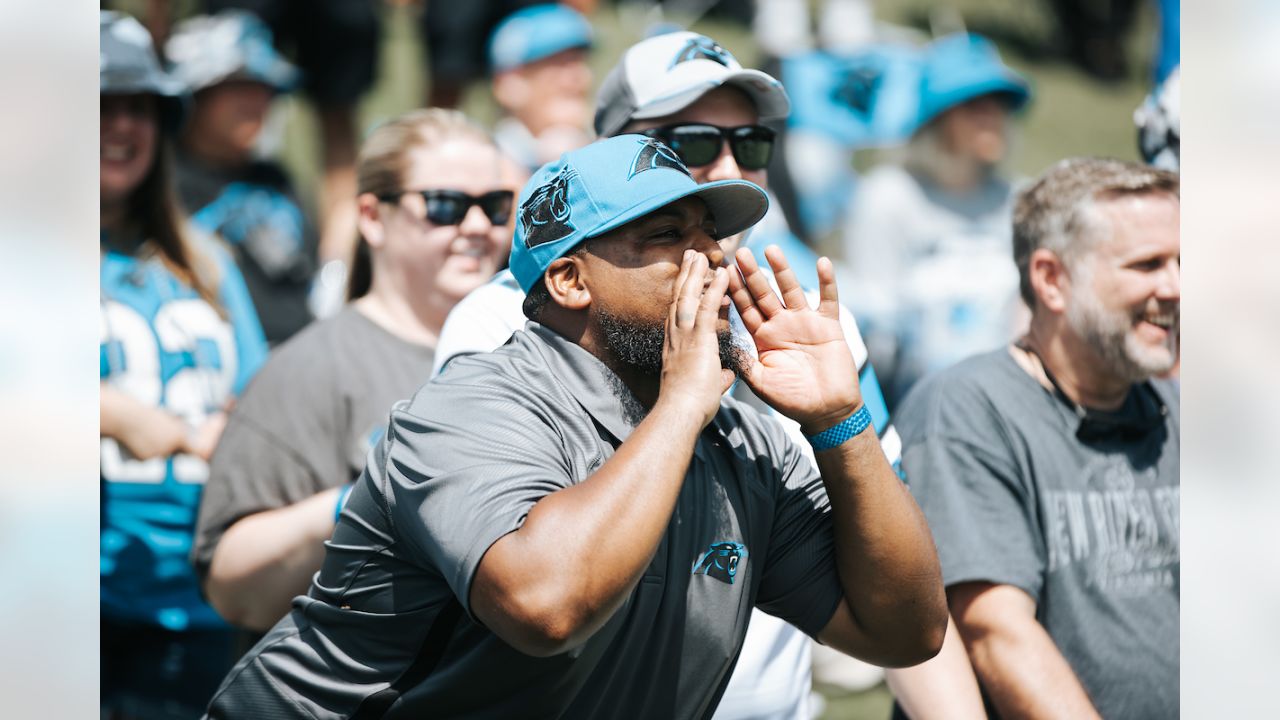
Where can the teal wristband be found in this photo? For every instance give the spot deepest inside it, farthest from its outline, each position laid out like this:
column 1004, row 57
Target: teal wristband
column 343, row 492
column 840, row 433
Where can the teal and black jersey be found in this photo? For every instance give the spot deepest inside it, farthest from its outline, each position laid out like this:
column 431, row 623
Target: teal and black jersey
column 165, row 346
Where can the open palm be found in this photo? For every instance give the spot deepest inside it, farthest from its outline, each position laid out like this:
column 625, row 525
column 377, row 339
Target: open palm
column 804, row 369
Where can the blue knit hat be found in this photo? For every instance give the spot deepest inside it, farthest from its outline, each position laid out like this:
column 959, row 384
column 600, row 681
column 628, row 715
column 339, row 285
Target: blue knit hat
column 607, row 184
column 961, row 67
column 535, row 33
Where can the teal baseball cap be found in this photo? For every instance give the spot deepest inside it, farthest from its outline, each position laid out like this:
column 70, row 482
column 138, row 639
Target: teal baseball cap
column 961, row 67
column 535, row 33
column 607, row 184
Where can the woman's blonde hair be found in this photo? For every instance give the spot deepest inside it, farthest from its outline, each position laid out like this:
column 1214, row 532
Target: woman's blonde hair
column 383, row 163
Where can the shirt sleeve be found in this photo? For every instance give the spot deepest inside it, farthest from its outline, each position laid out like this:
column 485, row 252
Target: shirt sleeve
column 963, row 476
column 454, row 492
column 800, row 584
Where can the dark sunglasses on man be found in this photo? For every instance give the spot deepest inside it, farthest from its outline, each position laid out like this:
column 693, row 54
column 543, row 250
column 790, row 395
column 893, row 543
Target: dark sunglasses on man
column 699, row 144
column 449, row 207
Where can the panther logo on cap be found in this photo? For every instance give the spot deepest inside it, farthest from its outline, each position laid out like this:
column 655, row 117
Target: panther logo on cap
column 702, row 48
column 721, row 561
column 544, row 217
column 654, row 154
column 857, row 89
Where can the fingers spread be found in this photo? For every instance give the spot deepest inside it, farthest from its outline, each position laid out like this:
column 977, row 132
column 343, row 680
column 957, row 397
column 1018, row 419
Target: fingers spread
column 788, row 284
column 757, row 284
column 747, row 310
column 829, row 302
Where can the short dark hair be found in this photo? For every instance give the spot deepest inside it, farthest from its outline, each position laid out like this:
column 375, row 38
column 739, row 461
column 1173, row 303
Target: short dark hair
column 1057, row 211
column 535, row 300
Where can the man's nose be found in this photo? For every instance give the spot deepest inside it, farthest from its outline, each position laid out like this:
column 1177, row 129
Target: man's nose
column 708, row 246
column 724, row 167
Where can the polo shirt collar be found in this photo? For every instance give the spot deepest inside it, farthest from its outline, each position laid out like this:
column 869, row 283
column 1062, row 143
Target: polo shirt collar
column 588, row 380
column 595, row 387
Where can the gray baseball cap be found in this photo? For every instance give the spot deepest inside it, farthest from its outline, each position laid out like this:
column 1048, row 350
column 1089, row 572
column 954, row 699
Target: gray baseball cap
column 667, row 73
column 127, row 65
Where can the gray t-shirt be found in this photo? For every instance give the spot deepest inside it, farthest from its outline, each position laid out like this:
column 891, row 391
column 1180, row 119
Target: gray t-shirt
column 1088, row 529
column 307, row 420
column 461, row 466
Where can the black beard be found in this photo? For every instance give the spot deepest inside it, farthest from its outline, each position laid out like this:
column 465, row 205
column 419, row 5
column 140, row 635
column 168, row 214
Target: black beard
column 639, row 347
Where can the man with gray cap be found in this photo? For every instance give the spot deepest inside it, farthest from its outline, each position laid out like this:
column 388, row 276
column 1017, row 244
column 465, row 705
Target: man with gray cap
column 229, row 64
column 577, row 524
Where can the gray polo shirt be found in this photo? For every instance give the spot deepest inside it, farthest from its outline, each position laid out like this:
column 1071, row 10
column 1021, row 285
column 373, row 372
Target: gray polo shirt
column 387, row 621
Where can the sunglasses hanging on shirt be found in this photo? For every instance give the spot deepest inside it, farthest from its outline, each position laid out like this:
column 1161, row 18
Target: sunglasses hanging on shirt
column 1136, row 419
column 699, row 144
column 449, row 207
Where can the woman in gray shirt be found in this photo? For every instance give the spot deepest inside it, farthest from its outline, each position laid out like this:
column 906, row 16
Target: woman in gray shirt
column 434, row 213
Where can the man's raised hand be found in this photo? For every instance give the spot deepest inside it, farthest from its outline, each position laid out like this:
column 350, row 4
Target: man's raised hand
column 804, row 369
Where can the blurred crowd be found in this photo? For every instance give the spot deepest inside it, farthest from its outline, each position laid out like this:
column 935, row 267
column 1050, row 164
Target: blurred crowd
column 253, row 342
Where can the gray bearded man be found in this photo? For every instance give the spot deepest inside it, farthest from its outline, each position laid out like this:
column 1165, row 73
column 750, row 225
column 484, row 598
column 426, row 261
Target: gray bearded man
column 1049, row 469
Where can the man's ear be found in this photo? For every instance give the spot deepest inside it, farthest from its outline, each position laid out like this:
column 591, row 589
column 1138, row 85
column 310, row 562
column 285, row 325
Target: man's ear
column 566, row 284
column 1050, row 280
column 369, row 220
column 511, row 90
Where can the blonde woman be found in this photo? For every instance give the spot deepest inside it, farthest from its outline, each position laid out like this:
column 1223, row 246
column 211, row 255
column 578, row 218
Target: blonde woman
column 433, row 219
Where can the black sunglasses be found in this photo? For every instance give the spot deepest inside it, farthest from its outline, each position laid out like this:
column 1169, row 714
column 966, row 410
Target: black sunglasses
column 449, row 207
column 1096, row 425
column 699, row 144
